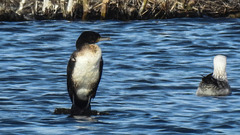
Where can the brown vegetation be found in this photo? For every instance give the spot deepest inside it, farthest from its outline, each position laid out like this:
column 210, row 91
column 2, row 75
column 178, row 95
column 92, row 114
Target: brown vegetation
column 17, row 10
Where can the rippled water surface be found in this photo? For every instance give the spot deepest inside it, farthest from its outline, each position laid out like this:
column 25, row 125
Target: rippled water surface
column 151, row 73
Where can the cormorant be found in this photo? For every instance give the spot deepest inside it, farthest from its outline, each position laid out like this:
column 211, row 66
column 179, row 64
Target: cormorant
column 84, row 72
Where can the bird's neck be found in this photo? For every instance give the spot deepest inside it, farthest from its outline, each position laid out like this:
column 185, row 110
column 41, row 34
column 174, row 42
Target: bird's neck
column 80, row 46
column 220, row 74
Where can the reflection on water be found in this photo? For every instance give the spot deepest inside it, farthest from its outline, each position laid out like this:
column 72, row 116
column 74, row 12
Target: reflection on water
column 151, row 72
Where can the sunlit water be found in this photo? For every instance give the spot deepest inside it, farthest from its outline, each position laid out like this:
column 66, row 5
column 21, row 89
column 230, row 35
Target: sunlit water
column 151, row 73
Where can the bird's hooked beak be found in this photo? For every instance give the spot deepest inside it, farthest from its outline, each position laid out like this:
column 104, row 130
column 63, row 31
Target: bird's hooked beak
column 104, row 39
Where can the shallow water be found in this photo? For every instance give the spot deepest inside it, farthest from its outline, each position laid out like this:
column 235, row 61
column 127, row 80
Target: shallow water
column 151, row 72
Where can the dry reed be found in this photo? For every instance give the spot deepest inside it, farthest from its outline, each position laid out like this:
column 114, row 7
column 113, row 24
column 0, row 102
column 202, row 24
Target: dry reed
column 17, row 10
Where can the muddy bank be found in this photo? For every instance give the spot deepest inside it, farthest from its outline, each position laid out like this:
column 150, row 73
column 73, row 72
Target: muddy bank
column 18, row 10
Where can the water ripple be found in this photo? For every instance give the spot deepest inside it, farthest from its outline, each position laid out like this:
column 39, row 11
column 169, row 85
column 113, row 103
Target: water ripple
column 151, row 72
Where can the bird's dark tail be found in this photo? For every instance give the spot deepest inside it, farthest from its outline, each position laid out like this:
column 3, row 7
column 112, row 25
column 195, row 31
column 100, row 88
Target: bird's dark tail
column 81, row 107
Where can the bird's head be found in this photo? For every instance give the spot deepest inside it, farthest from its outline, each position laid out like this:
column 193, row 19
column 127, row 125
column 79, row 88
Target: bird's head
column 89, row 37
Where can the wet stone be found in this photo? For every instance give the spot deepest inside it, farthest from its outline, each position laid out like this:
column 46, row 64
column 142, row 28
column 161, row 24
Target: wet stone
column 58, row 111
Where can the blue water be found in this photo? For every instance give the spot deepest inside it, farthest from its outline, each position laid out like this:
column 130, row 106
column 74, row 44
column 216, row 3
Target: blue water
column 151, row 73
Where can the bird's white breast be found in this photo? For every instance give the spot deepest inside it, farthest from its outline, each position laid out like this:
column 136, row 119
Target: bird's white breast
column 86, row 71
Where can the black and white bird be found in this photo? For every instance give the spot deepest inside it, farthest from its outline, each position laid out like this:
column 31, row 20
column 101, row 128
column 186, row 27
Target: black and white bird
column 84, row 72
column 216, row 83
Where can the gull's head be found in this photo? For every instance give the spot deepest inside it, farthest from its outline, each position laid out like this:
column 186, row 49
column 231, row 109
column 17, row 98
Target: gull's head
column 219, row 63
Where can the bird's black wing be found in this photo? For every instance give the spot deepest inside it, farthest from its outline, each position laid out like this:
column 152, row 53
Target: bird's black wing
column 209, row 79
column 93, row 94
column 70, row 84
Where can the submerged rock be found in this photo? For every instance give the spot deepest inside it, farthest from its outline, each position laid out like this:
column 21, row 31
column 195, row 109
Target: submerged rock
column 62, row 111
column 68, row 111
